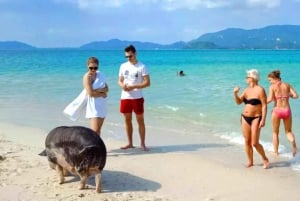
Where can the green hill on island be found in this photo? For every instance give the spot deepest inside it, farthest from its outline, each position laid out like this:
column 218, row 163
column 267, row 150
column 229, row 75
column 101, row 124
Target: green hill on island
column 270, row 37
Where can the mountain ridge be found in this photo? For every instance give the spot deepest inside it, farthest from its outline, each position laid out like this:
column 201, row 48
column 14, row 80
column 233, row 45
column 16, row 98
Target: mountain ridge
column 268, row 37
column 15, row 45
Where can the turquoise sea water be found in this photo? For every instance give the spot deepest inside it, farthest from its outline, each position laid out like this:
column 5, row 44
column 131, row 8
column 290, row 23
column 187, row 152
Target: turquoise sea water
column 36, row 86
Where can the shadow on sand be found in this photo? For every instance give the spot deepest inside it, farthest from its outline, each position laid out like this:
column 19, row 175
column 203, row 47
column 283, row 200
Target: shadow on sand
column 280, row 164
column 166, row 149
column 127, row 182
column 118, row 181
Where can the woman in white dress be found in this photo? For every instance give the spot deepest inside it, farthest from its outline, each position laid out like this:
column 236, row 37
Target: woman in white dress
column 94, row 83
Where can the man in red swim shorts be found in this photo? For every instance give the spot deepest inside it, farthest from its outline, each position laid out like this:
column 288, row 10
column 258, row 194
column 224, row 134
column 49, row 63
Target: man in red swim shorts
column 133, row 77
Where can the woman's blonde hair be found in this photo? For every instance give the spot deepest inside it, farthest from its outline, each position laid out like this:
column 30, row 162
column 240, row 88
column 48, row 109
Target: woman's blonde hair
column 253, row 73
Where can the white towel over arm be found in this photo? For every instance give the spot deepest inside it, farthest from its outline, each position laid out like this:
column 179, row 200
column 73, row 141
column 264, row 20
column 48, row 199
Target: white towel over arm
column 77, row 106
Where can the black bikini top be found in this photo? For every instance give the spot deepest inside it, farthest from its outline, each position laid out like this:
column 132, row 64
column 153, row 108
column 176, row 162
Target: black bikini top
column 252, row 101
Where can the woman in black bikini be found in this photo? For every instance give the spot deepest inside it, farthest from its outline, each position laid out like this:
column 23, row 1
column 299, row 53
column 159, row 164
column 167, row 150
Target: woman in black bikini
column 253, row 116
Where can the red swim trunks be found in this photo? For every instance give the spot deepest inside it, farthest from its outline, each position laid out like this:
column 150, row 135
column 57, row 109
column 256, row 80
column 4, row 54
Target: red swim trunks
column 129, row 105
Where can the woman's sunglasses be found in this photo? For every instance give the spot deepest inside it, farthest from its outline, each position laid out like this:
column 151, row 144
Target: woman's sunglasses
column 93, row 68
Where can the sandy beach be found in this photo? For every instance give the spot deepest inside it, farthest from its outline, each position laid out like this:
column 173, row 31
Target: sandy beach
column 165, row 173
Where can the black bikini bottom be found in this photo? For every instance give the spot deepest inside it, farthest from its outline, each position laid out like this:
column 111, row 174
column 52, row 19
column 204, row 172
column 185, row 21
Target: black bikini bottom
column 250, row 119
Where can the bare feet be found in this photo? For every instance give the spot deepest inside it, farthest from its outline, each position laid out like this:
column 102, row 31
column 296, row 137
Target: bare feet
column 144, row 148
column 266, row 163
column 250, row 164
column 129, row 146
column 275, row 153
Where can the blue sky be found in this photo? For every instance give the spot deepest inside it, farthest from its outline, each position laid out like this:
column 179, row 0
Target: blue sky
column 72, row 23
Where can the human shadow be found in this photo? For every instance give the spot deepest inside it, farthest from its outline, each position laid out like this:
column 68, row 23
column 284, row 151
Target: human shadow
column 118, row 181
column 166, row 149
column 280, row 164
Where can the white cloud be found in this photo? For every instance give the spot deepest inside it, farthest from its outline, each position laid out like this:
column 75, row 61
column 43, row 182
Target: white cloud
column 190, row 4
column 90, row 4
column 264, row 3
column 142, row 30
column 171, row 5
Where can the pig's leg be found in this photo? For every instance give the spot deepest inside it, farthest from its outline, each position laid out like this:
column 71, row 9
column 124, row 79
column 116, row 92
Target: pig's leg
column 83, row 180
column 60, row 172
column 98, row 178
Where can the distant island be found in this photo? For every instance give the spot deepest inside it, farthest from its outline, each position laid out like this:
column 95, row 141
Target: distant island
column 270, row 37
column 15, row 45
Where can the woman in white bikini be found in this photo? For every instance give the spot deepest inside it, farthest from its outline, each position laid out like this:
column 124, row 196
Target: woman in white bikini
column 280, row 92
column 253, row 116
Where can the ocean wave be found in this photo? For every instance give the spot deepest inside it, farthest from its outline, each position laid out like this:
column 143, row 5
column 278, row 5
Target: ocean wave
column 237, row 138
column 173, row 108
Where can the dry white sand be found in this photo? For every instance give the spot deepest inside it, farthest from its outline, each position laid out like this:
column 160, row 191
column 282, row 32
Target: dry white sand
column 162, row 174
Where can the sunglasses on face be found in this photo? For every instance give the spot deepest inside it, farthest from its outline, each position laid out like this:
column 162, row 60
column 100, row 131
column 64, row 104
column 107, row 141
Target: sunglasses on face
column 93, row 68
column 129, row 56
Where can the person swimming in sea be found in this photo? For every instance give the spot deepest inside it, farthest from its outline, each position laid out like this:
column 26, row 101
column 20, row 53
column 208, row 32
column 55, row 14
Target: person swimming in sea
column 181, row 73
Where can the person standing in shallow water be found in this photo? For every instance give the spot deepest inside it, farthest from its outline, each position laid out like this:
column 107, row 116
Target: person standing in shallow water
column 280, row 92
column 133, row 77
column 253, row 116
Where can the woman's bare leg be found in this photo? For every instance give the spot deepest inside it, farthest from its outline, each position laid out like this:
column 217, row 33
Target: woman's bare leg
column 275, row 128
column 255, row 131
column 246, row 129
column 96, row 124
column 289, row 134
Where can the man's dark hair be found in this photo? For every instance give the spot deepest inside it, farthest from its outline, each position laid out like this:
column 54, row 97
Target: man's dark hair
column 130, row 48
column 93, row 60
